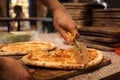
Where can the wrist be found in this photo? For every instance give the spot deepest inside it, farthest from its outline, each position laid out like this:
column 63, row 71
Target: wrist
column 56, row 6
column 59, row 11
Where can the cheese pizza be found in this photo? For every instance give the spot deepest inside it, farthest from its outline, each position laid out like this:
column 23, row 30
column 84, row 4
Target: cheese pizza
column 21, row 48
column 61, row 59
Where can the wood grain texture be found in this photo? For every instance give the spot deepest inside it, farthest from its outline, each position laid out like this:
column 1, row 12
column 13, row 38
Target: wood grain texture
column 56, row 74
column 98, row 46
column 111, row 16
column 42, row 73
column 102, row 30
column 100, row 39
column 107, row 10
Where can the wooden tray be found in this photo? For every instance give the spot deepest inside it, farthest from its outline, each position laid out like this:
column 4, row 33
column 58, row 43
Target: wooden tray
column 96, row 45
column 107, row 10
column 99, row 39
column 42, row 73
column 98, row 34
column 106, row 24
column 56, row 74
column 106, row 16
column 102, row 30
column 106, row 20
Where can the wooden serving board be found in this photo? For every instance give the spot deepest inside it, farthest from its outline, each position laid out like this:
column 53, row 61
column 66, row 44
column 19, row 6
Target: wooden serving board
column 98, row 34
column 106, row 24
column 100, row 39
column 106, row 16
column 99, row 45
column 57, row 74
column 107, row 10
column 105, row 20
column 102, row 30
column 42, row 73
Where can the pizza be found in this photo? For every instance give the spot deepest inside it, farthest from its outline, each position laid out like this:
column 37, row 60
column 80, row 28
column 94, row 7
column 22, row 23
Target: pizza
column 61, row 59
column 20, row 48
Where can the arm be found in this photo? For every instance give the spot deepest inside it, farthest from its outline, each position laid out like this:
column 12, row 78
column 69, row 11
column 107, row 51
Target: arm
column 52, row 4
column 62, row 20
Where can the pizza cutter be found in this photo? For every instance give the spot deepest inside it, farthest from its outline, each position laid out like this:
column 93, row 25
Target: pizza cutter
column 81, row 53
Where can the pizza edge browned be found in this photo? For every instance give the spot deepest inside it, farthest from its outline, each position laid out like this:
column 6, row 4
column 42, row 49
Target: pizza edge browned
column 2, row 53
column 59, row 65
column 97, row 60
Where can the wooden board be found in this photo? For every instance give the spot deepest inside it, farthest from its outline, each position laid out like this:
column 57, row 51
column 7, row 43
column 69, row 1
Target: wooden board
column 42, row 73
column 106, row 16
column 105, row 24
column 101, row 20
column 56, row 74
column 98, row 34
column 102, row 30
column 107, row 10
column 100, row 39
column 96, row 45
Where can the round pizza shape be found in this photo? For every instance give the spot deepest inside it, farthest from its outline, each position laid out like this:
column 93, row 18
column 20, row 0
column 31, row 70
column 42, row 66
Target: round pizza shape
column 61, row 59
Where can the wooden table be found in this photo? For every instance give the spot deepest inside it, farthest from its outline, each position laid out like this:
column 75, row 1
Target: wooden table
column 24, row 19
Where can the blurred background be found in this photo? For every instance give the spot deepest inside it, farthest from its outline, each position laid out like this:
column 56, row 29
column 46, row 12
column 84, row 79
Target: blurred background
column 33, row 8
column 99, row 26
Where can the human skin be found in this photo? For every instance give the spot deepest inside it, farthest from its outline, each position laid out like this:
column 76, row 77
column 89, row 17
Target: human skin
column 11, row 69
column 62, row 20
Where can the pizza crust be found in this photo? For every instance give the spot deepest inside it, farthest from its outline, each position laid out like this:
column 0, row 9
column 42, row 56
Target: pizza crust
column 11, row 53
column 96, row 61
column 61, row 65
column 22, row 48
column 58, row 65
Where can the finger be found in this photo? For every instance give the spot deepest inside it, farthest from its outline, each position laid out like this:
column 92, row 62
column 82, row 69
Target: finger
column 72, row 28
column 31, row 70
column 63, row 33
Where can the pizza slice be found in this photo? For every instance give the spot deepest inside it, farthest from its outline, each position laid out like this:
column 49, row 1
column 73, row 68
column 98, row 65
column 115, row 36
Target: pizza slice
column 21, row 48
column 61, row 59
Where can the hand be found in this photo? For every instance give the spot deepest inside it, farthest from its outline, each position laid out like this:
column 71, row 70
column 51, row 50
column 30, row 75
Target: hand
column 64, row 24
column 11, row 69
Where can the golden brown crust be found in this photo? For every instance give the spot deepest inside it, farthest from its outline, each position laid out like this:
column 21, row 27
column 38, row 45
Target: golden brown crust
column 97, row 60
column 21, row 48
column 61, row 59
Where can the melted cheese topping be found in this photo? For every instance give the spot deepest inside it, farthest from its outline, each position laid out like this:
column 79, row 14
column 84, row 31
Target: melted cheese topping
column 64, row 56
column 58, row 55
